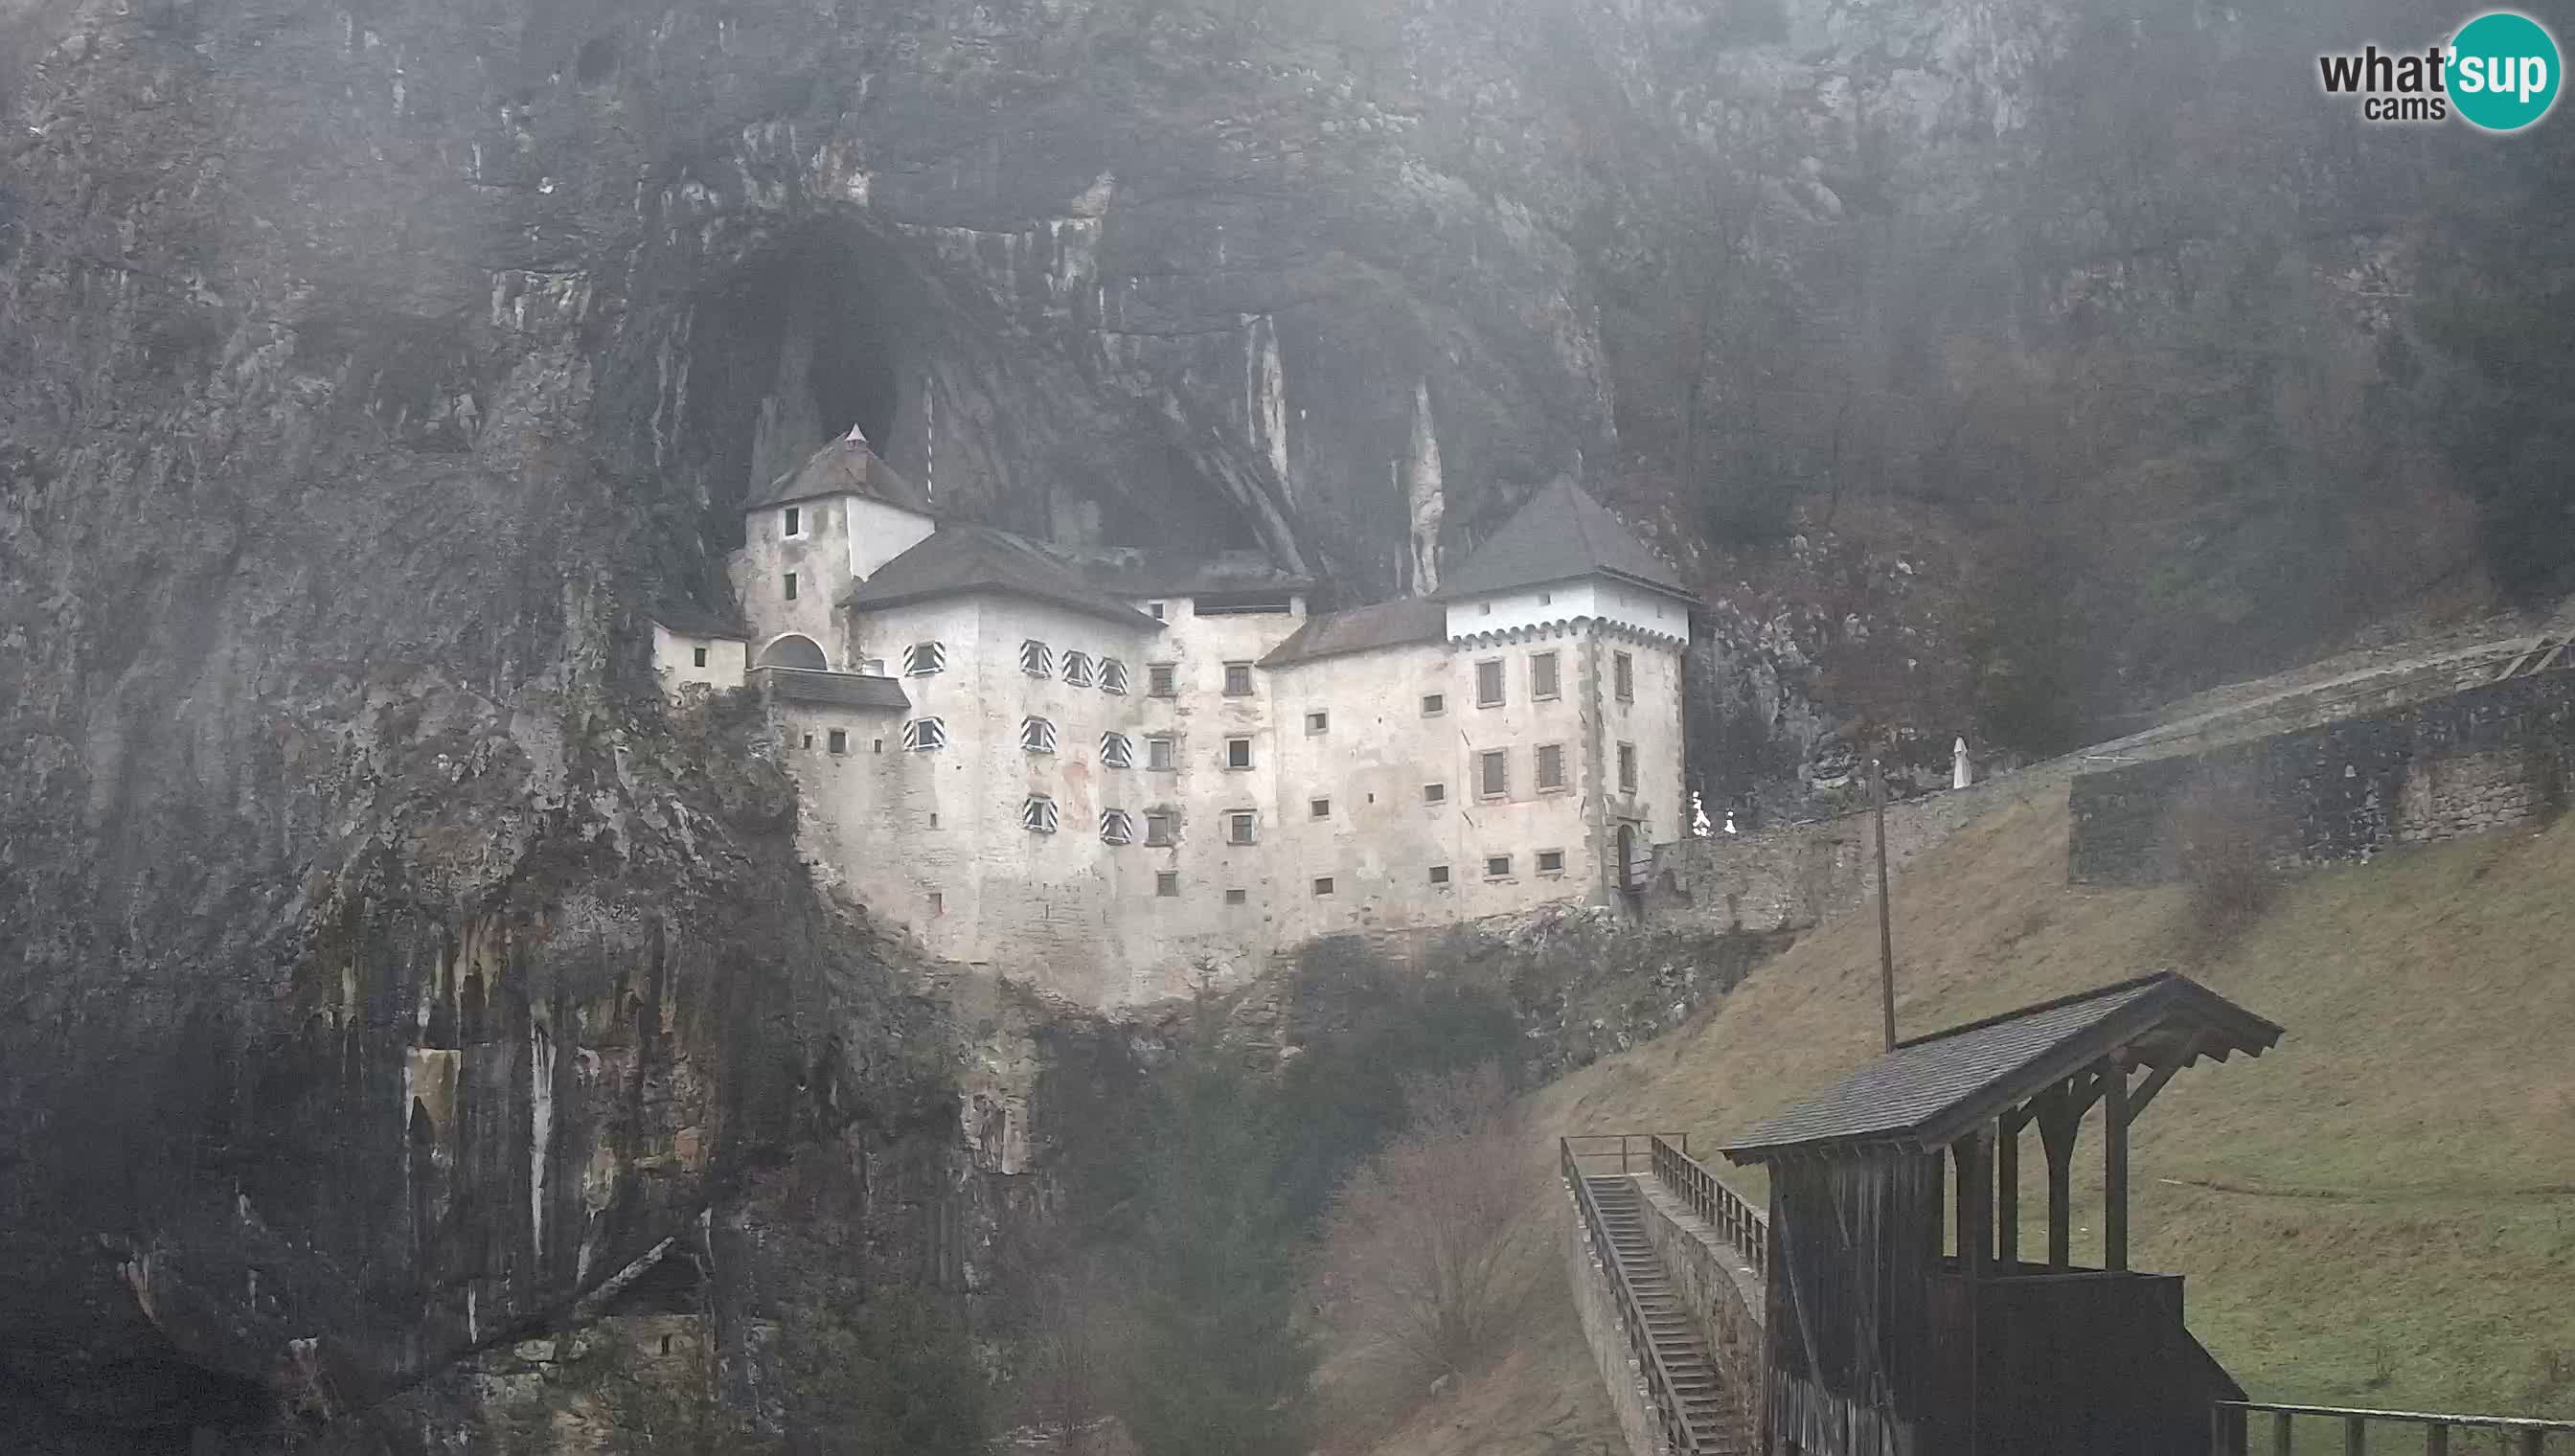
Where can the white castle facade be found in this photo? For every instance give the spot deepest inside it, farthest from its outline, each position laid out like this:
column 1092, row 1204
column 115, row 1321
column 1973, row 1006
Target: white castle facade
column 1115, row 777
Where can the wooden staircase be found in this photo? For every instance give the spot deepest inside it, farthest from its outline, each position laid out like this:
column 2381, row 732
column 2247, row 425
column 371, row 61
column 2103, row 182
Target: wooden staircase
column 1715, row 1425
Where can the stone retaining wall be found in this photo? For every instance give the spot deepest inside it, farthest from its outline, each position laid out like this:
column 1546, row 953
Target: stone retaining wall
column 2478, row 760
column 1718, row 1286
column 1595, row 1301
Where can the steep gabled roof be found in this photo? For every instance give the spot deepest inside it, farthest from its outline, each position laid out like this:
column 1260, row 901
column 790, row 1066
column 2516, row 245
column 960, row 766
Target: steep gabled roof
column 690, row 620
column 959, row 559
column 1932, row 1091
column 1128, row 572
column 1363, row 629
column 846, row 467
column 833, row 690
column 1558, row 535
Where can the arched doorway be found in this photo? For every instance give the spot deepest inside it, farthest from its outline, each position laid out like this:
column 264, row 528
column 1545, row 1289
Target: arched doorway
column 1628, row 858
column 795, row 651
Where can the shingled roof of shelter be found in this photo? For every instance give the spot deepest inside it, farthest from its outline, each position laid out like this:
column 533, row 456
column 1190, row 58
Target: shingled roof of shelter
column 835, row 690
column 846, row 467
column 1363, row 629
column 1932, row 1091
column 958, row 559
column 1558, row 535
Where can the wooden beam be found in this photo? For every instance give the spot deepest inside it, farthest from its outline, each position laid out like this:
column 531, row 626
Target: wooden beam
column 2147, row 1090
column 2007, row 1195
column 1975, row 1202
column 2115, row 1165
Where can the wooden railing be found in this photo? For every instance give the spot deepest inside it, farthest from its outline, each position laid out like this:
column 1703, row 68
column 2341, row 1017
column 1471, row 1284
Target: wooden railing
column 1746, row 1228
column 1678, row 1434
column 2231, row 1426
column 1634, row 1151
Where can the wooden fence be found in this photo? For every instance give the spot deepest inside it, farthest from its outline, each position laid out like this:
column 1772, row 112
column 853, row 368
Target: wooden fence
column 2234, row 1422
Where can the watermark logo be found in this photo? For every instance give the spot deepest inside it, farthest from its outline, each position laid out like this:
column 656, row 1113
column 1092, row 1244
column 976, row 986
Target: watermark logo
column 2499, row 73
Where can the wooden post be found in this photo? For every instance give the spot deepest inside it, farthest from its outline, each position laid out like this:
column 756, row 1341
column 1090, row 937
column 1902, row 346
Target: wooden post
column 2056, row 1129
column 1975, row 1204
column 2007, row 1193
column 2355, row 1436
column 2436, row 1440
column 2280, row 1433
column 1885, row 920
column 2114, row 1165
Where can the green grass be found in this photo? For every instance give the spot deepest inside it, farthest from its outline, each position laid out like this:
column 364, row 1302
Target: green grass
column 2380, row 1212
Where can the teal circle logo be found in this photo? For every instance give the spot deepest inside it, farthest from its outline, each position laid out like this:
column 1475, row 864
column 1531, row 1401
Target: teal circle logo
column 2503, row 71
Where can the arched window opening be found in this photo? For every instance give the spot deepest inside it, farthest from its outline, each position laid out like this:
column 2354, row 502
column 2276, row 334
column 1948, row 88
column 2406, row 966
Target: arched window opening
column 795, row 651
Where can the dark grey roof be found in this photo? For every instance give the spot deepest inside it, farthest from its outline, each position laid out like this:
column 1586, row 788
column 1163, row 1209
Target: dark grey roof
column 1130, row 573
column 833, row 690
column 691, row 620
column 1386, row 624
column 1558, row 535
column 846, row 467
column 1932, row 1091
column 958, row 559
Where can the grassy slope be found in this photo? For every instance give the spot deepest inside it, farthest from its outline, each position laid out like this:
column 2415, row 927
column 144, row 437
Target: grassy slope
column 2393, row 1216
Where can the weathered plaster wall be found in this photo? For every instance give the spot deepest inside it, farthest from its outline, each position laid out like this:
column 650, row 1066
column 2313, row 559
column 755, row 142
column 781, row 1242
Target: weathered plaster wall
column 675, row 660
column 2482, row 759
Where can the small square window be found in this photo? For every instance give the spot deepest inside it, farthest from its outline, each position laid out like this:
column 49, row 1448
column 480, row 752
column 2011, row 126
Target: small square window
column 922, row 658
column 1113, row 676
column 1324, row 884
column 1157, row 826
column 809, row 740
column 791, row 585
column 1626, row 767
column 795, row 522
column 1036, row 659
column 1237, row 680
column 1489, row 683
column 1483, row 609
column 1116, row 827
column 1116, row 752
column 1551, row 862
column 938, row 904
column 1547, row 598
column 1494, row 774
column 1622, row 671
column 1238, row 827
column 1497, row 866
column 1077, row 669
column 698, row 655
column 1316, row 722
column 1434, row 794
column 1154, row 610
column 1238, row 752
column 934, row 819
column 1036, row 735
column 1434, row 703
column 1158, row 755
column 1550, row 768
column 875, row 746
column 1166, row 883
column 1037, row 815
column 1236, row 896
column 1542, row 675
column 1163, row 679
column 839, row 741
column 1321, row 809
column 1438, row 875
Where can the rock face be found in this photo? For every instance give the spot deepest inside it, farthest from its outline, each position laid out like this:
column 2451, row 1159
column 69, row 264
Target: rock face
column 385, row 972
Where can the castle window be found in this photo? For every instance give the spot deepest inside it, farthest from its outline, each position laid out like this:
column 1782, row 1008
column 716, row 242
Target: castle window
column 1434, row 703
column 1116, row 827
column 1626, row 767
column 1158, row 823
column 1321, row 809
column 1154, row 610
column 1158, row 755
column 839, row 741
column 1077, row 669
column 1166, row 883
column 1550, row 768
column 1322, row 884
column 922, row 658
column 791, row 585
column 1113, row 676
column 938, row 904
column 1316, row 722
column 1238, row 752
column 1551, row 862
column 925, row 733
column 1238, row 827
column 1434, row 794
column 795, row 522
column 875, row 746
column 1542, row 682
column 1438, row 875
column 1236, row 896
column 1237, row 680
column 1037, row 815
column 1163, row 679
column 1489, row 683
column 1036, row 735
column 698, row 655
column 1036, row 659
column 1497, row 866
column 1494, row 774
column 1116, row 752
column 1622, row 673
column 809, row 740
column 872, row 667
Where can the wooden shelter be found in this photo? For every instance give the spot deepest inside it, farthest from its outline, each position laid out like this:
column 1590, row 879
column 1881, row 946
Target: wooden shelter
column 1893, row 1331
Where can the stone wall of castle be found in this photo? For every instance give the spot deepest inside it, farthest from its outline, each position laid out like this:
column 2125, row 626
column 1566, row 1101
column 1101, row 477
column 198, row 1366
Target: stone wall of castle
column 2477, row 760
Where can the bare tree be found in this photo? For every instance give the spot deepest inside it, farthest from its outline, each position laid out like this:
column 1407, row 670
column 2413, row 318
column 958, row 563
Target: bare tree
column 1430, row 1241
